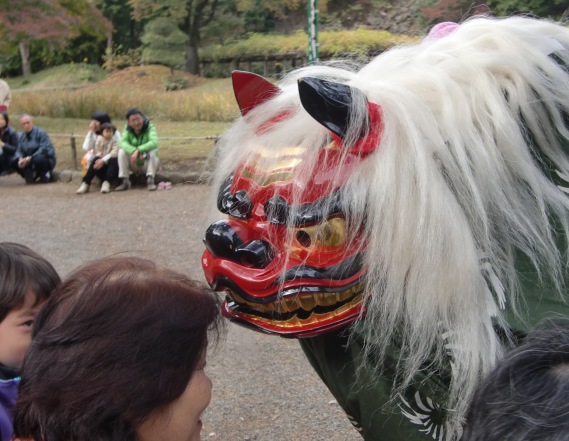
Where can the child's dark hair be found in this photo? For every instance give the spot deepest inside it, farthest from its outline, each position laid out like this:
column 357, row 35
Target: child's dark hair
column 525, row 397
column 108, row 125
column 118, row 339
column 23, row 270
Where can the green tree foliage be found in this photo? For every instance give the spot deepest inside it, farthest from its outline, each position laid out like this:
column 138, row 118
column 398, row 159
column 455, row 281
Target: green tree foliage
column 225, row 27
column 542, row 8
column 164, row 43
column 280, row 8
column 51, row 24
column 190, row 15
column 257, row 18
column 281, row 15
column 458, row 10
column 126, row 30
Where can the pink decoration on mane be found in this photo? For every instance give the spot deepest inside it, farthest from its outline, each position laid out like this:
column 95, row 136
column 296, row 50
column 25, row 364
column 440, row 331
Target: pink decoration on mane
column 441, row 30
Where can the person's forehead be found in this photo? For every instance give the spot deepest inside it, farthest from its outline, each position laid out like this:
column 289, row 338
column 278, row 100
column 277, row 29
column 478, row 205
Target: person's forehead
column 25, row 120
column 28, row 307
column 135, row 116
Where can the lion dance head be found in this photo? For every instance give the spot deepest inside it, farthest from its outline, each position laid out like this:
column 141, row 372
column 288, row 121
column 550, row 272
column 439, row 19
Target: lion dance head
column 402, row 193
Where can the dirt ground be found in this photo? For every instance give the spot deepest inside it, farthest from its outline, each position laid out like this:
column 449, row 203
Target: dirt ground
column 264, row 389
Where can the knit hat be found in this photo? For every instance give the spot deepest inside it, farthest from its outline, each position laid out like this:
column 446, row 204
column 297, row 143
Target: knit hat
column 101, row 116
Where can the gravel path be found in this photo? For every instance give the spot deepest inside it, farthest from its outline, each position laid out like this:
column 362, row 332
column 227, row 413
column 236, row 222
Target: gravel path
column 264, row 389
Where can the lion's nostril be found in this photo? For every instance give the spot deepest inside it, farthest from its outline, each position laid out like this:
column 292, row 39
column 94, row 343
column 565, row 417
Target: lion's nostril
column 255, row 254
column 223, row 241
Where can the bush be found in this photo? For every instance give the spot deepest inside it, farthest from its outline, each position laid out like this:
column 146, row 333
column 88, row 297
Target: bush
column 114, row 61
column 332, row 44
column 175, row 82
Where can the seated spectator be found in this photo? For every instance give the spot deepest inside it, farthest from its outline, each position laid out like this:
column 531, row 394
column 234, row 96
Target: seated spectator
column 97, row 119
column 8, row 145
column 5, row 96
column 118, row 353
column 525, row 397
column 35, row 154
column 138, row 151
column 104, row 164
column 27, row 281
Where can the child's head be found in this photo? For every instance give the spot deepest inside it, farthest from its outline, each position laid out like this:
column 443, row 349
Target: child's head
column 108, row 130
column 27, row 281
column 123, row 342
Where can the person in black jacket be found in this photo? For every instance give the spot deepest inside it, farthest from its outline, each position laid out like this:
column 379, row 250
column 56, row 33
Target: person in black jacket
column 35, row 154
column 8, row 145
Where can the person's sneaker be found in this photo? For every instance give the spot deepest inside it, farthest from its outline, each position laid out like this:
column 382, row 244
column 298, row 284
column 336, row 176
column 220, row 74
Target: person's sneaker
column 150, row 183
column 124, row 186
column 106, row 187
column 83, row 188
column 46, row 178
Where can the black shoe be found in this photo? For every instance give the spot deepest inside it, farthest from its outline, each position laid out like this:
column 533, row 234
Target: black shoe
column 29, row 175
column 46, row 178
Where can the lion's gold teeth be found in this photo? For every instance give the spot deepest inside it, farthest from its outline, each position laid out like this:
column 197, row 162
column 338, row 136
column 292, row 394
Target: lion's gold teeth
column 301, row 301
column 296, row 322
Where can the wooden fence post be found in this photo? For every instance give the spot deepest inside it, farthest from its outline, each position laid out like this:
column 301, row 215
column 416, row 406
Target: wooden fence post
column 74, row 151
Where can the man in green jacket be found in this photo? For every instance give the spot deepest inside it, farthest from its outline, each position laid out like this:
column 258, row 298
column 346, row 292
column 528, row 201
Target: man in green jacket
column 138, row 150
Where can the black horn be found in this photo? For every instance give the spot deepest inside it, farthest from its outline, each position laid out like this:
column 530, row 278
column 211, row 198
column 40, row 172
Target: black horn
column 327, row 102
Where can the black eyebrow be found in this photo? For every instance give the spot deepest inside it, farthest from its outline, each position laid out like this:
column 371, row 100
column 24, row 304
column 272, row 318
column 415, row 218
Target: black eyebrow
column 278, row 209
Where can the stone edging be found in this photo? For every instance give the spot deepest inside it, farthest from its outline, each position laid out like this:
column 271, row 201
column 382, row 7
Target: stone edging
column 173, row 177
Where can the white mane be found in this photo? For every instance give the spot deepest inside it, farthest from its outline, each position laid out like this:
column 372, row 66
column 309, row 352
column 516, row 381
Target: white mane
column 455, row 188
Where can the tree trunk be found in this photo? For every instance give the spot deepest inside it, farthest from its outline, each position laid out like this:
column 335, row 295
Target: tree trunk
column 192, row 57
column 109, row 49
column 192, row 26
column 25, row 56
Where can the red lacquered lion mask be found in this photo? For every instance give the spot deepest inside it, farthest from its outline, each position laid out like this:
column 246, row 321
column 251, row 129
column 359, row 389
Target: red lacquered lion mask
column 288, row 264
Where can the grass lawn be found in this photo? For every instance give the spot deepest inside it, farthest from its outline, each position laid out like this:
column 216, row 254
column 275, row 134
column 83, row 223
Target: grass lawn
column 66, row 75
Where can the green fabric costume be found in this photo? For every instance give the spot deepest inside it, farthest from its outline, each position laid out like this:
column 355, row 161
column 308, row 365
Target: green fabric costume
column 417, row 415
column 365, row 397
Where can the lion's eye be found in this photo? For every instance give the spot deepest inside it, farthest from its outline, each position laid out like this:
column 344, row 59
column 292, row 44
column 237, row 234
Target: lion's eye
column 331, row 233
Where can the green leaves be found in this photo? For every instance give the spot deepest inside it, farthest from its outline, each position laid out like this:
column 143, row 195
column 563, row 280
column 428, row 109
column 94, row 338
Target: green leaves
column 164, row 43
column 542, row 8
